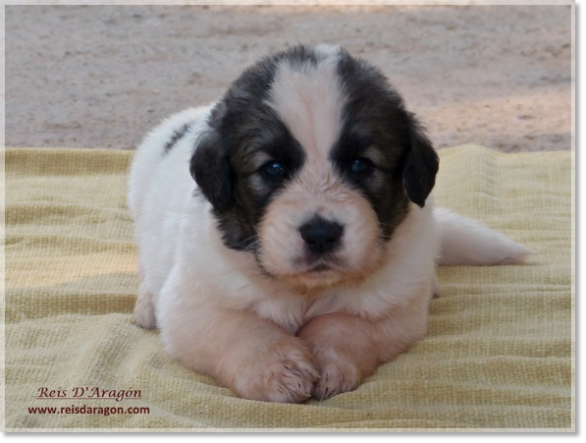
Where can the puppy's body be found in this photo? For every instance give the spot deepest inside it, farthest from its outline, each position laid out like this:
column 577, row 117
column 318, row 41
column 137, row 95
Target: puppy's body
column 237, row 292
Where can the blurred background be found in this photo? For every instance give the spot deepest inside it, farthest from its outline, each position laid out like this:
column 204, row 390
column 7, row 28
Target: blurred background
column 102, row 76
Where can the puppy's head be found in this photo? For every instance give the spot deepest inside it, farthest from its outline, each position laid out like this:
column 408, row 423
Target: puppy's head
column 310, row 162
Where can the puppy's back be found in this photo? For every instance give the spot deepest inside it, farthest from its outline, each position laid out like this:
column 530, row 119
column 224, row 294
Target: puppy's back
column 173, row 137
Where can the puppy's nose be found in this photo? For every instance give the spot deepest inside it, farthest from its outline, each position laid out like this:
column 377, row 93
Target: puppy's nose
column 321, row 235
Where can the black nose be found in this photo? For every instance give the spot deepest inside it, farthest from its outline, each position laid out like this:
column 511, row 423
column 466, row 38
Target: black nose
column 321, row 235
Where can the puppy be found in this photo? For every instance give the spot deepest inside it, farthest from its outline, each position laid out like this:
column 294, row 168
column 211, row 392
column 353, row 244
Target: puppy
column 287, row 237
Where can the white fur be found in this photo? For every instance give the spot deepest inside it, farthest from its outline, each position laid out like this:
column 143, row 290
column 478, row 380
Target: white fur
column 309, row 100
column 469, row 242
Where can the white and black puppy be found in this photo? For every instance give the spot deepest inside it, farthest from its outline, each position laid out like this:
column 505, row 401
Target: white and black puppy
column 287, row 237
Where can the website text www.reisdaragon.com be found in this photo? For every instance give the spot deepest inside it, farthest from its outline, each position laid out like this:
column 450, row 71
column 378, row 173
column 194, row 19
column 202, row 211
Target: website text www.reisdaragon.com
column 97, row 410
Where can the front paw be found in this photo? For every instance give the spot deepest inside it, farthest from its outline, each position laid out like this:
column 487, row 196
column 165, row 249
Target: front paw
column 284, row 373
column 337, row 375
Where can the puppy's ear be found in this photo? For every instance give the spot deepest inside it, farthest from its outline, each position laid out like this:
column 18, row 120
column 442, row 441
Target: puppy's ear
column 212, row 172
column 421, row 165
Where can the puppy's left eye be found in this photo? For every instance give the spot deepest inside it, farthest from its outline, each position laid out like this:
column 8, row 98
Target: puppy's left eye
column 362, row 166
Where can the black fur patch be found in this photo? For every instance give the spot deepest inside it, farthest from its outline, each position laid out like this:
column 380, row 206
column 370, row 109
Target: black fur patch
column 177, row 135
column 421, row 166
column 375, row 117
column 243, row 126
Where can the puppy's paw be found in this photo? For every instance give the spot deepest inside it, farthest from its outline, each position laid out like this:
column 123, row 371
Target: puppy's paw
column 284, row 373
column 144, row 309
column 337, row 375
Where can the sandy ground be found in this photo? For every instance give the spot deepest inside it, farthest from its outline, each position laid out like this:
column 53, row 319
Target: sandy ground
column 102, row 76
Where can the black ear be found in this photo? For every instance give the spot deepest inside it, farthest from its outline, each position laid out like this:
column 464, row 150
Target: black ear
column 212, row 172
column 421, row 166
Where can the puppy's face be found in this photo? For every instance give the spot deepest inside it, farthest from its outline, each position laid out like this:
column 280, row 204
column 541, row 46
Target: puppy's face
column 310, row 163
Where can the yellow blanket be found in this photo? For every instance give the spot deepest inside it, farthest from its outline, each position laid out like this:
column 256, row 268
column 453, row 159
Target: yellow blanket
column 499, row 353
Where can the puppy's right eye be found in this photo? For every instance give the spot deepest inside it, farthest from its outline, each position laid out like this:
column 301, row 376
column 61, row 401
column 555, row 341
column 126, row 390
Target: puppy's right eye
column 272, row 169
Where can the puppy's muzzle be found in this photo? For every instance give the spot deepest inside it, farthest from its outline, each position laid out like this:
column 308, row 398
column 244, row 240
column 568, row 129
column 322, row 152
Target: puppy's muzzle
column 321, row 236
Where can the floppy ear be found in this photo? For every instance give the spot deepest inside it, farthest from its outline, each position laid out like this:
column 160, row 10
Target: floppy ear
column 212, row 172
column 421, row 165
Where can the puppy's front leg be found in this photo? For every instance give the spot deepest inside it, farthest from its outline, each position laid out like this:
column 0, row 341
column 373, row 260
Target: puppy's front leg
column 254, row 357
column 348, row 348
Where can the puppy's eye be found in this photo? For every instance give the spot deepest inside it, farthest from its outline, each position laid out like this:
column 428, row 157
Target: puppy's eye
column 362, row 166
column 273, row 169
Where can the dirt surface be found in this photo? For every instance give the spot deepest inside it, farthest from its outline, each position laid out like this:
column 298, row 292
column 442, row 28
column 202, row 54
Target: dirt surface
column 103, row 76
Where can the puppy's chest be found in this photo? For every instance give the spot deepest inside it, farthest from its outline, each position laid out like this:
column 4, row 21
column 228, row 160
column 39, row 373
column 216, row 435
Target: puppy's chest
column 292, row 311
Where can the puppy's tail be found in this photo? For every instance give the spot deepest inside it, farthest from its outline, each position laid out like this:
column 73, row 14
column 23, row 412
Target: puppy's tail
column 468, row 242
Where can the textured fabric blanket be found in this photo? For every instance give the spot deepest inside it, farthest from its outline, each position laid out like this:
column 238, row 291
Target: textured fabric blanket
column 498, row 355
